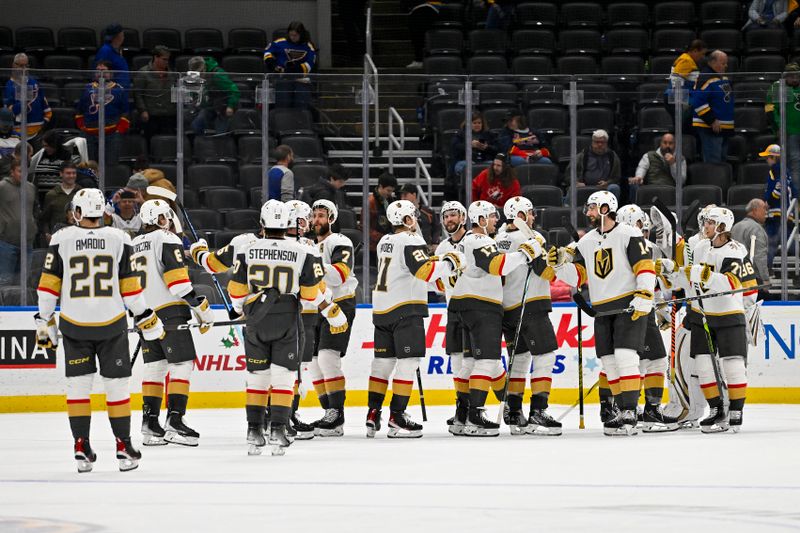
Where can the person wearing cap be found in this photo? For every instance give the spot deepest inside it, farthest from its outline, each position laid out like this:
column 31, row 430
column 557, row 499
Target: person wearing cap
column 773, row 110
column 598, row 165
column 137, row 185
column 8, row 139
column 772, row 195
column 39, row 112
column 713, row 104
column 427, row 221
column 111, row 51
column 496, row 184
column 153, row 95
column 56, row 200
column 522, row 144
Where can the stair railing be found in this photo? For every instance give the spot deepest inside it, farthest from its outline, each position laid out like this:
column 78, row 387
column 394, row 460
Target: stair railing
column 371, row 70
column 421, row 170
column 395, row 143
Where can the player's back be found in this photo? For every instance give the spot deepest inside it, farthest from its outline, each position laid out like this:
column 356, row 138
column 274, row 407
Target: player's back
column 223, row 259
column 514, row 282
column 397, row 286
column 158, row 261
column 477, row 287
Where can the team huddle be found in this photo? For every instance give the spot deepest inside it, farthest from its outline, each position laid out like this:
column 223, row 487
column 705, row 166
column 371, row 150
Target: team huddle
column 295, row 297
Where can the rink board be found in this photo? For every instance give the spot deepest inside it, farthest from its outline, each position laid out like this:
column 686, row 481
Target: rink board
column 32, row 380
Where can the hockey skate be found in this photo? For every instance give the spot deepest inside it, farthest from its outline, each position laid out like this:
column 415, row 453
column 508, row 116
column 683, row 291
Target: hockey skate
column 278, row 439
column 152, row 432
column 128, row 455
column 541, row 423
column 716, row 421
column 655, row 421
column 515, row 420
column 330, row 425
column 478, row 425
column 608, row 411
column 177, row 432
column 456, row 427
column 255, row 439
column 373, row 422
column 84, row 455
column 623, row 424
column 301, row 430
column 735, row 420
column 402, row 427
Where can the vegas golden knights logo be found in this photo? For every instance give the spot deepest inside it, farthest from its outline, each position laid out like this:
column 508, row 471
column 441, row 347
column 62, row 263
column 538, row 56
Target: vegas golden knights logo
column 603, row 262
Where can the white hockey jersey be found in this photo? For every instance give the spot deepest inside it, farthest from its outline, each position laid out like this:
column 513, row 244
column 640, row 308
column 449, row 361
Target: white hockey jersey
column 446, row 284
column 90, row 271
column 614, row 264
column 308, row 306
column 404, row 270
column 158, row 261
column 337, row 258
column 223, row 259
column 538, row 296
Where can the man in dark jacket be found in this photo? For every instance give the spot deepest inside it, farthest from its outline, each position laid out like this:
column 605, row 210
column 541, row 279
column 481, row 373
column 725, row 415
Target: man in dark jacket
column 153, row 95
column 330, row 188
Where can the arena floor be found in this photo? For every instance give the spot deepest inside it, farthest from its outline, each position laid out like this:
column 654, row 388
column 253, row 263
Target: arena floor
column 581, row 481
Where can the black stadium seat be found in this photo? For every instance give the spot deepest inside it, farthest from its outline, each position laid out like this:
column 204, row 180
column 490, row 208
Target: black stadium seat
column 628, row 14
column 77, row 40
column 215, row 149
column 674, row 14
column 497, row 94
column 34, row 39
column 487, row 67
column 442, row 65
column 553, row 120
column 543, row 195
column 201, row 176
column 537, row 174
column 572, row 42
column 729, row 40
column 534, row 94
column 741, row 194
column 532, row 65
column 164, row 148
column 581, row 15
column 560, row 146
column 169, row 37
column 242, row 219
column 203, row 40
column 705, row 194
column 765, row 41
column 718, row 174
column 620, row 69
column 224, row 198
column 487, row 42
column 627, row 41
column 537, row 14
column 654, row 119
column 306, row 149
column 6, row 39
column 595, row 118
column 577, row 65
column 750, row 120
column 247, row 40
column 595, row 94
column 132, row 43
column 307, row 175
column 533, row 42
column 753, row 173
column 444, row 41
column 250, row 176
column 724, row 13
column 205, row 218
column 646, row 193
column 671, row 40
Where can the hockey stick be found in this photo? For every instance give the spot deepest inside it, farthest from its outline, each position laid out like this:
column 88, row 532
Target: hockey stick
column 137, row 350
column 421, row 396
column 512, row 349
column 589, row 310
column 574, row 405
column 580, row 365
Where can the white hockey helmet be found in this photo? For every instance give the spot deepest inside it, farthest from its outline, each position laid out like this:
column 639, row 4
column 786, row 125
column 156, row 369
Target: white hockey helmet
column 399, row 210
column 91, row 203
column 329, row 206
column 153, row 209
column 516, row 205
column 274, row 215
column 479, row 209
column 452, row 205
column 631, row 215
column 701, row 215
column 298, row 209
column 601, row 198
column 720, row 215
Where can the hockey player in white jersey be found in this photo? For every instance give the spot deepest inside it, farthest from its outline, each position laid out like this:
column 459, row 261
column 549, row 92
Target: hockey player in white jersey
column 614, row 261
column 718, row 323
column 158, row 261
column 454, row 222
column 88, row 267
column 268, row 280
column 326, row 368
column 399, row 305
column 223, row 258
column 537, row 340
column 652, row 355
column 477, row 299
column 299, row 225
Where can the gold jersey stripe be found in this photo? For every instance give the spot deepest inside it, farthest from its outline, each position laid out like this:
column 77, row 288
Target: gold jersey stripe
column 645, row 265
column 237, row 290
column 309, row 293
column 496, row 264
column 176, row 275
column 129, row 286
column 50, row 283
column 215, row 264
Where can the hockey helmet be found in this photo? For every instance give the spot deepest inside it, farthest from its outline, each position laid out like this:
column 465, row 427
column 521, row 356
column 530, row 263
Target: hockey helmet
column 479, row 209
column 601, row 198
column 298, row 209
column 516, row 205
column 399, row 210
column 274, row 215
column 720, row 215
column 701, row 215
column 453, row 206
column 329, row 206
column 152, row 210
column 91, row 203
column 631, row 215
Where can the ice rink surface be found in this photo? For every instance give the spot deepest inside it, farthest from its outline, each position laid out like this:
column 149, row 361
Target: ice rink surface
column 581, row 481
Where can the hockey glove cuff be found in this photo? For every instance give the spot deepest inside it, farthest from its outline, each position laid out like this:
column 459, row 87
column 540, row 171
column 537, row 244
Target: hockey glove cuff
column 698, row 273
column 203, row 314
column 150, row 325
column 46, row 332
column 456, row 260
column 198, row 250
column 531, row 249
column 336, row 319
column 642, row 304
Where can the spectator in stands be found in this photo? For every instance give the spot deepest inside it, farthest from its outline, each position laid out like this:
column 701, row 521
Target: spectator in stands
column 766, row 14
column 713, row 101
column 658, row 167
column 752, row 225
column 427, row 219
column 137, row 185
column 379, row 200
column 772, row 108
column 5, row 162
column 11, row 222
column 496, row 184
column 125, row 214
column 48, row 163
column 792, row 21
column 111, row 51
column 153, row 95
column 220, row 97
column 8, row 139
column 772, row 195
column 598, row 166
column 116, row 114
column 293, row 54
column 521, row 143
column 57, row 199
column 280, row 180
column 484, row 145
column 329, row 188
column 87, row 175
column 684, row 73
column 422, row 15
column 500, row 14
column 39, row 112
